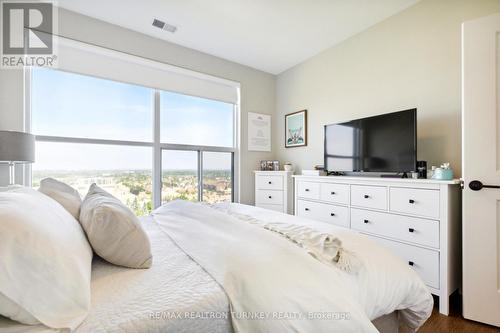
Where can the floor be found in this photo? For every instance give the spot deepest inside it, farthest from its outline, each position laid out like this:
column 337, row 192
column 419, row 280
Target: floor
column 454, row 323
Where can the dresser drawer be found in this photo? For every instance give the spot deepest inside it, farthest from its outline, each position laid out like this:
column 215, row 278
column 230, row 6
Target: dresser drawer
column 277, row 208
column 308, row 190
column 338, row 215
column 405, row 228
column 264, row 182
column 420, row 202
column 425, row 262
column 369, row 196
column 269, row 197
column 336, row 193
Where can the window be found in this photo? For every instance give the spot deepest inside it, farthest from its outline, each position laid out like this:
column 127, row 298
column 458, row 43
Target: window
column 179, row 175
column 93, row 130
column 217, row 178
column 123, row 171
column 207, row 127
column 78, row 106
column 196, row 121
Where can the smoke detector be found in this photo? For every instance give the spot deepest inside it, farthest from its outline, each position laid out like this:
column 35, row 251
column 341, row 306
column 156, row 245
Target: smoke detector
column 164, row 26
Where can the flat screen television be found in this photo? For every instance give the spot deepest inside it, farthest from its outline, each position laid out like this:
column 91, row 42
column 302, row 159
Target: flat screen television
column 384, row 144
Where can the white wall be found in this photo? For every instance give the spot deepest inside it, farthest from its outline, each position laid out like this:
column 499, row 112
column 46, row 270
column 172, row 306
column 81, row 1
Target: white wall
column 409, row 60
column 257, row 87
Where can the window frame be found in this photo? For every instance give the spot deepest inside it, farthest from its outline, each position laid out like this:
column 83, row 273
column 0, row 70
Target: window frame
column 156, row 144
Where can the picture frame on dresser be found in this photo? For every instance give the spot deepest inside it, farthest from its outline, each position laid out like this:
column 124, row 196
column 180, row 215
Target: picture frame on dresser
column 418, row 220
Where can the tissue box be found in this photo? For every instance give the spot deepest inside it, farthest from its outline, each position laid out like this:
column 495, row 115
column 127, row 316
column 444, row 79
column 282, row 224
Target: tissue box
column 443, row 174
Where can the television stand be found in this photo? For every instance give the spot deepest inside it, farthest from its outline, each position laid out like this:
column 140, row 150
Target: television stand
column 403, row 175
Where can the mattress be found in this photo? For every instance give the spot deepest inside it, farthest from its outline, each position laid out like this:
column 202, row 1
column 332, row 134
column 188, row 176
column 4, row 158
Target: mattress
column 174, row 295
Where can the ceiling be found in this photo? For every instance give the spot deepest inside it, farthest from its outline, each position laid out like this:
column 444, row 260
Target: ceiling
column 270, row 35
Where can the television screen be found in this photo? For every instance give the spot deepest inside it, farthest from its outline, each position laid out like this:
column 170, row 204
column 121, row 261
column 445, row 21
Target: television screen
column 385, row 143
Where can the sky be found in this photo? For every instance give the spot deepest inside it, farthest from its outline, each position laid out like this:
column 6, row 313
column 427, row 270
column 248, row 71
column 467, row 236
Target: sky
column 72, row 105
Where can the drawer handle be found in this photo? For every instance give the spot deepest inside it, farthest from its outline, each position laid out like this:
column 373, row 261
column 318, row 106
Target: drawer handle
column 306, row 209
column 307, row 190
column 270, row 183
column 366, row 221
column 411, row 201
column 411, row 229
column 332, row 214
column 366, row 196
column 411, row 263
column 332, row 193
column 269, row 197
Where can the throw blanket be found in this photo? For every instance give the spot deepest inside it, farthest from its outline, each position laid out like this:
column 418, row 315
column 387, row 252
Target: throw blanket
column 322, row 246
column 274, row 285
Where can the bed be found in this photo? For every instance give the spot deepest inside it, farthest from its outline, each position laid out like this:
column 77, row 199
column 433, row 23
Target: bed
column 177, row 294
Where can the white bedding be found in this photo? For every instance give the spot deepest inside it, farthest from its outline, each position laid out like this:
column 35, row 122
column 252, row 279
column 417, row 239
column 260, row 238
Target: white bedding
column 125, row 299
column 128, row 300
column 269, row 275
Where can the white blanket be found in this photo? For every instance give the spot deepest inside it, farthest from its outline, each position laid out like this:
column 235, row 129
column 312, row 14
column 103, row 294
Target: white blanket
column 274, row 285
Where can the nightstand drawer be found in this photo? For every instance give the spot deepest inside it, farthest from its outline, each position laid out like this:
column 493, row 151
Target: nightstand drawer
column 308, row 190
column 425, row 262
column 269, row 197
column 420, row 202
column 264, row 182
column 338, row 215
column 369, row 196
column 336, row 193
column 405, row 228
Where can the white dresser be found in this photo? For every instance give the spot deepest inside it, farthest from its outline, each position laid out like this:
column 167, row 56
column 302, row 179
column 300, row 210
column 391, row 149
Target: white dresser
column 273, row 190
column 418, row 219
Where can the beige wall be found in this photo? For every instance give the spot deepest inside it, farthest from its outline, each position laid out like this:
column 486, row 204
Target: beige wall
column 257, row 87
column 409, row 60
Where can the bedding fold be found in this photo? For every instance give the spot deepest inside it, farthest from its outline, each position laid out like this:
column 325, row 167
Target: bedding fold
column 323, row 246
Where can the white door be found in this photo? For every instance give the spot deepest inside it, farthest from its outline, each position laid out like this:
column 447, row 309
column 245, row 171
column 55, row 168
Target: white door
column 481, row 162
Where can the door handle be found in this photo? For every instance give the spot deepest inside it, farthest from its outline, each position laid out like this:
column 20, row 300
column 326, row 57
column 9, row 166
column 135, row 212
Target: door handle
column 476, row 185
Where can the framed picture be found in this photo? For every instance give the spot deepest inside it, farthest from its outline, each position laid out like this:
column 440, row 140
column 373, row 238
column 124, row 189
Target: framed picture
column 296, row 129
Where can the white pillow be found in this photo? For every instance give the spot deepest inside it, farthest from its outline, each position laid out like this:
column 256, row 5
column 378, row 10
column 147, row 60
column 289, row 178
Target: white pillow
column 113, row 230
column 45, row 261
column 67, row 196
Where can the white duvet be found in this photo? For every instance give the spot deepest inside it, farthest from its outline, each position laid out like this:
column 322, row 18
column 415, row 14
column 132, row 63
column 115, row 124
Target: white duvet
column 273, row 285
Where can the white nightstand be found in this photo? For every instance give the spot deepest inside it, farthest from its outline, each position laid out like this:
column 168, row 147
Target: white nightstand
column 273, row 190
